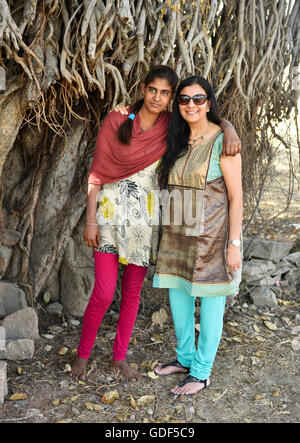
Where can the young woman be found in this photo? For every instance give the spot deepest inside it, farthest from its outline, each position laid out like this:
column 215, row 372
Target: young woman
column 199, row 251
column 120, row 210
column 119, row 214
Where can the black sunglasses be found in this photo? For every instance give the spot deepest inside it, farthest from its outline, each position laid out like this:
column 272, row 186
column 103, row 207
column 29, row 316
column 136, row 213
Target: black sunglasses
column 198, row 99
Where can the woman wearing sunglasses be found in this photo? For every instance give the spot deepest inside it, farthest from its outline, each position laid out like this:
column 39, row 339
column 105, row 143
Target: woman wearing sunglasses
column 199, row 253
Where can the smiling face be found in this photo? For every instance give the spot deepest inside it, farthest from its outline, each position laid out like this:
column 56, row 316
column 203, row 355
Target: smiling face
column 157, row 95
column 191, row 112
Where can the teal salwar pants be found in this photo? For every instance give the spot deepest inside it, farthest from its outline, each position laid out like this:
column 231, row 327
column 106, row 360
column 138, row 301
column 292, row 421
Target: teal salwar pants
column 200, row 360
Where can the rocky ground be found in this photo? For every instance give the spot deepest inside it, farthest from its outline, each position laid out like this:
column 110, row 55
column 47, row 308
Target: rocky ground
column 254, row 378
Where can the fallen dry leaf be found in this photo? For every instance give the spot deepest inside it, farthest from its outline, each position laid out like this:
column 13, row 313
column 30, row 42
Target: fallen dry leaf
column 47, row 297
column 145, row 399
column 159, row 317
column 153, row 365
column 71, row 399
column 55, row 402
column 133, row 340
column 238, row 339
column 133, row 403
column 232, row 323
column 270, row 325
column 259, row 338
column 122, row 417
column 284, row 302
column 18, row 396
column 63, row 351
column 93, row 406
column 152, row 375
column 134, row 366
column 156, row 337
column 110, row 397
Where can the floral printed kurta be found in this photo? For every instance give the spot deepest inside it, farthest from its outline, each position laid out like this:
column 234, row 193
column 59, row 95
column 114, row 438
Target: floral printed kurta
column 127, row 215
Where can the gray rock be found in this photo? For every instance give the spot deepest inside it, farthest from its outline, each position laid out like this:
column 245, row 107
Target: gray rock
column 21, row 324
column 293, row 258
column 263, row 248
column 2, row 338
column 263, row 296
column 254, row 270
column 12, row 298
column 73, row 322
column 283, row 267
column 55, row 308
column 20, row 349
column 3, row 350
column 265, row 281
column 293, row 277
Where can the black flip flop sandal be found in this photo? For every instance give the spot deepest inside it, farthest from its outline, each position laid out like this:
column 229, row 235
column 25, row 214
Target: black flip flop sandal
column 175, row 364
column 191, row 379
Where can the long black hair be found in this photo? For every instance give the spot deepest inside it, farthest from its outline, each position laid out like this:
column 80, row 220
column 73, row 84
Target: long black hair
column 158, row 71
column 179, row 130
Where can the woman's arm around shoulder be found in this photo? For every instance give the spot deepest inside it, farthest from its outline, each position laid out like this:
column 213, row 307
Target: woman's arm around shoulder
column 232, row 143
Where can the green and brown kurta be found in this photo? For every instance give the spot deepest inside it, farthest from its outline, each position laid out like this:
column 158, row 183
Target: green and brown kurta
column 193, row 258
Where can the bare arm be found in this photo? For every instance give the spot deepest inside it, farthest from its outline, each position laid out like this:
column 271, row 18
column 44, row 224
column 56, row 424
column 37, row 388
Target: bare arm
column 91, row 233
column 231, row 169
column 232, row 143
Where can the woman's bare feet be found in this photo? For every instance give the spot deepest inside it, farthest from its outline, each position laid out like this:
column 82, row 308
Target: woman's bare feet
column 128, row 372
column 79, row 368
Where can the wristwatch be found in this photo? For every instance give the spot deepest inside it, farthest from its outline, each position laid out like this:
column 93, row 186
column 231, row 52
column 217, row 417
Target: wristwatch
column 235, row 242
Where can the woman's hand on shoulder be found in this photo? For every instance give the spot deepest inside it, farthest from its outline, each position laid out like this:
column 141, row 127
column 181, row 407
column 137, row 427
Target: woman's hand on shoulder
column 231, row 143
column 122, row 109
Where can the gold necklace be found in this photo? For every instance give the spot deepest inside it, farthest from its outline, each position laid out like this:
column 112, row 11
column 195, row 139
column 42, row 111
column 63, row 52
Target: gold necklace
column 201, row 136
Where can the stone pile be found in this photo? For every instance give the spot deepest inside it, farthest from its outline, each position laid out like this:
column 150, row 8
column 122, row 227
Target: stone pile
column 18, row 329
column 268, row 268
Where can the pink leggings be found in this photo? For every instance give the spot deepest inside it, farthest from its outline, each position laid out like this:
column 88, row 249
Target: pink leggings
column 106, row 273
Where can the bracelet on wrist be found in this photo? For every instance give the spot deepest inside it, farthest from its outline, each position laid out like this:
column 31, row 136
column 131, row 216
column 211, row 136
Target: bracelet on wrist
column 92, row 224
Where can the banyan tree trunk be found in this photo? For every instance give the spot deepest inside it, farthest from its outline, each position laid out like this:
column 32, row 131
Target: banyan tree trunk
column 63, row 64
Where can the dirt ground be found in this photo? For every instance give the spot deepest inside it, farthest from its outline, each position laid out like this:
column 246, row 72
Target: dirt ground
column 254, row 378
